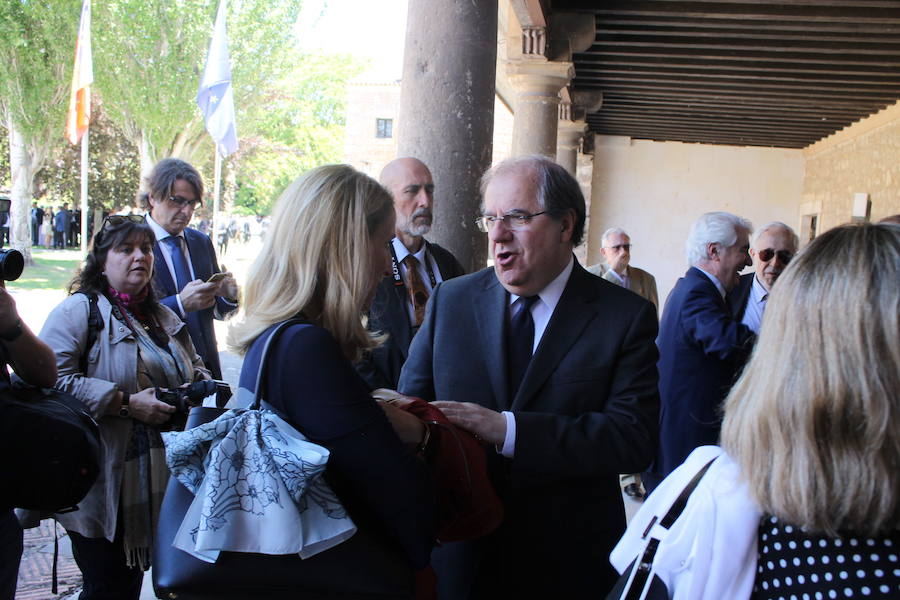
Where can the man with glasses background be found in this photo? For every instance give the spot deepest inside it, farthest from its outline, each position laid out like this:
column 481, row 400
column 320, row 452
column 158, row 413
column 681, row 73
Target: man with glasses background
column 773, row 246
column 417, row 266
column 555, row 370
column 185, row 258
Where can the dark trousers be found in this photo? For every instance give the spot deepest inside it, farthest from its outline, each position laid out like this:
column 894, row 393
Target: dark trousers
column 35, row 237
column 59, row 239
column 10, row 553
column 102, row 564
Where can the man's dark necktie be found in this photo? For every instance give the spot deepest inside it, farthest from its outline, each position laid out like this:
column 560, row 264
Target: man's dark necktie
column 182, row 273
column 519, row 342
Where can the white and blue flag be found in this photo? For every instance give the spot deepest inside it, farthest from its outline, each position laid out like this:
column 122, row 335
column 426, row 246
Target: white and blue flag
column 216, row 96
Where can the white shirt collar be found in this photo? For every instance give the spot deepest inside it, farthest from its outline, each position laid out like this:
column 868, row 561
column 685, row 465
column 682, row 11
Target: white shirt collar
column 158, row 230
column 553, row 291
column 714, row 279
column 401, row 251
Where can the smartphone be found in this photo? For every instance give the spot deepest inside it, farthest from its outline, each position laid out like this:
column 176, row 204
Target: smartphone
column 216, row 277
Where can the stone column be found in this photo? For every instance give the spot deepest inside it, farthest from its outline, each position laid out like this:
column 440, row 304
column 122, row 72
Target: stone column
column 568, row 139
column 447, row 112
column 537, row 84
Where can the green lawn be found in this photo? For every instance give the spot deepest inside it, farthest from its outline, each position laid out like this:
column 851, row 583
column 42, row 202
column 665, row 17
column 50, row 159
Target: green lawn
column 53, row 269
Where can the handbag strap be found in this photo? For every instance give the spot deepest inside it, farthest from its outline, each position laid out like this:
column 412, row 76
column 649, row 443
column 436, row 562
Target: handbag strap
column 639, row 583
column 259, row 395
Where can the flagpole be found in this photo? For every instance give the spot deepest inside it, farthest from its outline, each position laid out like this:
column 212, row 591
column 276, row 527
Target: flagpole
column 217, row 180
column 84, row 191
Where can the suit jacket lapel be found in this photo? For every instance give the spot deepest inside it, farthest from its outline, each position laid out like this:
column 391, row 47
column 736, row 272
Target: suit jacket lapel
column 202, row 268
column 164, row 282
column 400, row 314
column 570, row 317
column 490, row 312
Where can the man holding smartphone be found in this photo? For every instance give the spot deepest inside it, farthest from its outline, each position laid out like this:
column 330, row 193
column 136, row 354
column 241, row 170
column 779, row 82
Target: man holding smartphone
column 187, row 274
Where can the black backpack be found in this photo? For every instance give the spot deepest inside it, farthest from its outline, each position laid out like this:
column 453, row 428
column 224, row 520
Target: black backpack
column 50, row 443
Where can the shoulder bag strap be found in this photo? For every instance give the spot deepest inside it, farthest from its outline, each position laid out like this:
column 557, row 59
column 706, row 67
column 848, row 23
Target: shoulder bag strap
column 260, row 394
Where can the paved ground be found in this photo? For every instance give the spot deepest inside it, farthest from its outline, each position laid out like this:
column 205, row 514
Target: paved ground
column 37, row 559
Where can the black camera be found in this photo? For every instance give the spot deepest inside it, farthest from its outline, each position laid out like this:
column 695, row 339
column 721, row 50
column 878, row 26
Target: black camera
column 184, row 399
column 11, row 264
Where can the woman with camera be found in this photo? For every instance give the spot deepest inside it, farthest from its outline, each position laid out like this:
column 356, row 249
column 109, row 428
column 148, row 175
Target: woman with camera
column 115, row 345
column 326, row 251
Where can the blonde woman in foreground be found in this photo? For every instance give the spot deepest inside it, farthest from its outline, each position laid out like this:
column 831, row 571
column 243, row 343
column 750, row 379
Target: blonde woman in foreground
column 325, row 253
column 803, row 498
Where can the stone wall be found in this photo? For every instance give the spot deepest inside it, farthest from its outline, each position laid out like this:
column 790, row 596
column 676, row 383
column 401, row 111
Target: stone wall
column 861, row 159
column 367, row 102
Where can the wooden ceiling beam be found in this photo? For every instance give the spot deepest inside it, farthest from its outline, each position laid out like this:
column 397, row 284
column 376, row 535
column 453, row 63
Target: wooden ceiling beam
column 879, row 89
column 731, row 65
column 796, row 94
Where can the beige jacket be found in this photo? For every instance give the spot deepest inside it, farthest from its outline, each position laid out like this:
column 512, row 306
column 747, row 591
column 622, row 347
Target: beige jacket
column 642, row 282
column 111, row 365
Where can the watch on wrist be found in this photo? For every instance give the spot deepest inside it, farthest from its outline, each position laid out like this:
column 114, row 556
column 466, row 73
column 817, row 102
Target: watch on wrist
column 124, row 409
column 13, row 332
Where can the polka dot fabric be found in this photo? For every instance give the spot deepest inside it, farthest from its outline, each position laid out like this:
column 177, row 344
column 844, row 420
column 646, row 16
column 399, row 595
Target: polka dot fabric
column 793, row 565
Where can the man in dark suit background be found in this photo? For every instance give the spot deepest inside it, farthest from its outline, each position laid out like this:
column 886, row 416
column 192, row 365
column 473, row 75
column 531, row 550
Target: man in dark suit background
column 185, row 258
column 37, row 217
column 555, row 370
column 61, row 226
column 399, row 304
column 701, row 346
column 772, row 247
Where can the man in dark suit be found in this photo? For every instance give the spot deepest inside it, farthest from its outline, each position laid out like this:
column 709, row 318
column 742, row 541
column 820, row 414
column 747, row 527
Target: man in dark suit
column 555, row 370
column 61, row 226
column 772, row 248
column 37, row 217
column 701, row 346
column 185, row 259
column 399, row 304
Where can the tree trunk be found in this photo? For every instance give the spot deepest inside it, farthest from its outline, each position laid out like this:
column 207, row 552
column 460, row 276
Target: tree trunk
column 147, row 160
column 21, row 194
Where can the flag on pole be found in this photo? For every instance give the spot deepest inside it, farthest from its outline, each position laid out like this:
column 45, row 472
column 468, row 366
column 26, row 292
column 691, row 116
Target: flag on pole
column 215, row 96
column 79, row 116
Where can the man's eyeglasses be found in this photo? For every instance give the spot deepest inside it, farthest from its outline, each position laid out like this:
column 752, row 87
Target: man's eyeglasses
column 617, row 247
column 783, row 255
column 511, row 221
column 181, row 201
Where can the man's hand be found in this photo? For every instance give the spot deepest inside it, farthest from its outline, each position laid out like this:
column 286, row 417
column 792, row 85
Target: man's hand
column 228, row 287
column 485, row 423
column 198, row 295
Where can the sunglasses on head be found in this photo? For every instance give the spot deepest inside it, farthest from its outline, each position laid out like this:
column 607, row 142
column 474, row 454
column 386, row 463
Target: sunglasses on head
column 115, row 220
column 783, row 255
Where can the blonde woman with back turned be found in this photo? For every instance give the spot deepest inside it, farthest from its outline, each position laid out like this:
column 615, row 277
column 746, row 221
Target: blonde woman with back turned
column 323, row 257
column 803, row 498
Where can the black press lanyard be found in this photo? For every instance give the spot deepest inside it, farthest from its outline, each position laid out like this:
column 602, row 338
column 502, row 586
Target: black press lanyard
column 395, row 267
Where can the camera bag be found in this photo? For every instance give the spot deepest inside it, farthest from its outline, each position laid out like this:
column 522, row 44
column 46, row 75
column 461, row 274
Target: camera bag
column 53, row 445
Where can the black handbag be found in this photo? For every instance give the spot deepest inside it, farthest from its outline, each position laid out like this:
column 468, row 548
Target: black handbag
column 360, row 567
column 51, row 449
column 635, row 583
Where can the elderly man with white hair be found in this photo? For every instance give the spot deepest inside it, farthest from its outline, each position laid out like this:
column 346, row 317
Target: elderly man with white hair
column 772, row 248
column 615, row 247
column 701, row 345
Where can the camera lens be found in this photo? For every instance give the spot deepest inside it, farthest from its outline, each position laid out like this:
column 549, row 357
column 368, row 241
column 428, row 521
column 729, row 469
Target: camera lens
column 11, row 264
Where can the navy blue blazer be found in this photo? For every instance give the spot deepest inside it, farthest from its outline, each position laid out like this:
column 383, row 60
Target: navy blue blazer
column 200, row 323
column 389, row 314
column 586, row 410
column 387, row 490
column 740, row 295
column 702, row 348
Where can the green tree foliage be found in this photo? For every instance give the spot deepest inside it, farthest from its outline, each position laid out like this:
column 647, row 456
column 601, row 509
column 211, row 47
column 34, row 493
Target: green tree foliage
column 149, row 57
column 37, row 50
column 302, row 127
column 113, row 172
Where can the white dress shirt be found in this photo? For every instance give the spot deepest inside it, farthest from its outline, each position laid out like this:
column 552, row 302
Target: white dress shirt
column 167, row 256
column 715, row 281
column 541, row 311
column 756, row 306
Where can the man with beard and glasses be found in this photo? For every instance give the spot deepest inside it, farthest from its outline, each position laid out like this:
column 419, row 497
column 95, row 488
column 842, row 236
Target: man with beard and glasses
column 417, row 266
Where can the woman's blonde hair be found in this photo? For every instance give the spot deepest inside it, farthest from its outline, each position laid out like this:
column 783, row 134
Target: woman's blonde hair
column 315, row 259
column 814, row 421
